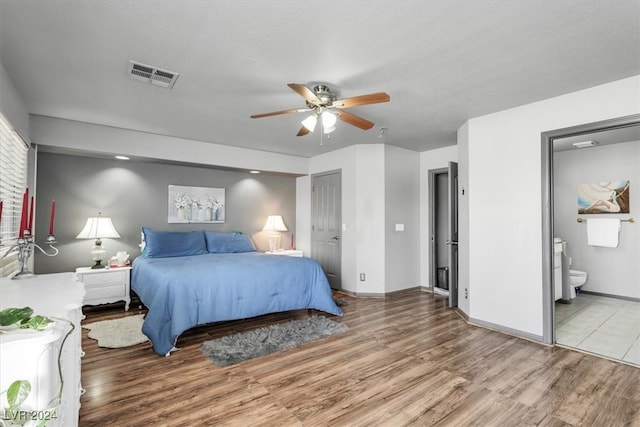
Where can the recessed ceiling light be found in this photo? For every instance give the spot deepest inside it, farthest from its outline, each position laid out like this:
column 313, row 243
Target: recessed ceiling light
column 584, row 144
column 254, row 171
column 122, row 158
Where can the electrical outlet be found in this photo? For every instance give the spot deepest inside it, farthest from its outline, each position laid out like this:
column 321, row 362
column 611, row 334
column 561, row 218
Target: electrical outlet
column 362, row 277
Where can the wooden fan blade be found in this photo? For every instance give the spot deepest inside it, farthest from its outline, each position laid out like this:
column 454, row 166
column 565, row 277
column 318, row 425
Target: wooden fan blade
column 306, row 93
column 303, row 131
column 372, row 98
column 277, row 113
column 354, row 120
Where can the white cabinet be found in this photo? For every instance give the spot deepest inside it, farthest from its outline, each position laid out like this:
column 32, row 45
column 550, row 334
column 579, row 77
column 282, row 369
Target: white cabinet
column 33, row 356
column 106, row 285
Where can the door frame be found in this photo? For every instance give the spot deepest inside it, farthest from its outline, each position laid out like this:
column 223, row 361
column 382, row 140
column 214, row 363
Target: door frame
column 451, row 236
column 547, row 139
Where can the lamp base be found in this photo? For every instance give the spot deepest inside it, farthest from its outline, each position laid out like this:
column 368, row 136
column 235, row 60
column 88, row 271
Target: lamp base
column 98, row 253
column 274, row 242
column 98, row 265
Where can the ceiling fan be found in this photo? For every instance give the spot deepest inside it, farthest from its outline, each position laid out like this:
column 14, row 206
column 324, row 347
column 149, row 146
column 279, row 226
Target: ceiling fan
column 327, row 108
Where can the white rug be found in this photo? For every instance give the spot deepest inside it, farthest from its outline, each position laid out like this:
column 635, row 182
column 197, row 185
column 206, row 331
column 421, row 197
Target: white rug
column 118, row 333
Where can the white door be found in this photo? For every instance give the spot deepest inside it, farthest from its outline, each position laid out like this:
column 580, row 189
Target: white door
column 326, row 224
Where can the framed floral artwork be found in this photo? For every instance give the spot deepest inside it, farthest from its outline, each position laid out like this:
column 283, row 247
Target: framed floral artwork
column 196, row 204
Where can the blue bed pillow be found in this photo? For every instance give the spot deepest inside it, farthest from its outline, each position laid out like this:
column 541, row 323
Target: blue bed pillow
column 160, row 244
column 218, row 242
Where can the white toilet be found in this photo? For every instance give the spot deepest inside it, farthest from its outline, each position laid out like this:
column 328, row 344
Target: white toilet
column 577, row 278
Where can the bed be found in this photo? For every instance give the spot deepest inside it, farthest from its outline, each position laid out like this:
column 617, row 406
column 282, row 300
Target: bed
column 187, row 279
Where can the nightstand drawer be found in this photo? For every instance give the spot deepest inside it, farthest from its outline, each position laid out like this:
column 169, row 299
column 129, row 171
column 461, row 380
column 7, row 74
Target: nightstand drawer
column 106, row 285
column 105, row 292
column 99, row 280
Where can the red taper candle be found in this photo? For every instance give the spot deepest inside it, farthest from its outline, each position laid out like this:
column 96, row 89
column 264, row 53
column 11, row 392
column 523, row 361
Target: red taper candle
column 51, row 218
column 23, row 216
column 30, row 226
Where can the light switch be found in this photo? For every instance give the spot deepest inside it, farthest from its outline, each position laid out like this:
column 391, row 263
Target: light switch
column 344, row 227
column 399, row 227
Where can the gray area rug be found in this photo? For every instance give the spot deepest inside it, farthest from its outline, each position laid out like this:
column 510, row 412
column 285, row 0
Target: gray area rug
column 118, row 333
column 236, row 348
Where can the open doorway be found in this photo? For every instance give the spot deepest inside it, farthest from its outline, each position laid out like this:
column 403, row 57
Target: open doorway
column 595, row 314
column 443, row 232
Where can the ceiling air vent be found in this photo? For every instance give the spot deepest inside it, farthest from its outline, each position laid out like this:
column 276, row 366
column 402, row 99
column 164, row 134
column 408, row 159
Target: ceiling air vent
column 152, row 75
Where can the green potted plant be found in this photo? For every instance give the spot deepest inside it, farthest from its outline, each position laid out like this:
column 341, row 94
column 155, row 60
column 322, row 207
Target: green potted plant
column 14, row 414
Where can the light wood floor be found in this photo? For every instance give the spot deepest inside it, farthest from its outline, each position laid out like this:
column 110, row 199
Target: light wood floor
column 406, row 360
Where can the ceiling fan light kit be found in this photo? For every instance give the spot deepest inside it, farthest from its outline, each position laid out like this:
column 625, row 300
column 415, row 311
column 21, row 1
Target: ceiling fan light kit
column 310, row 122
column 323, row 103
column 328, row 121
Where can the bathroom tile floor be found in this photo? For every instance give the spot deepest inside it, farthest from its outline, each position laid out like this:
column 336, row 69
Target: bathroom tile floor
column 609, row 327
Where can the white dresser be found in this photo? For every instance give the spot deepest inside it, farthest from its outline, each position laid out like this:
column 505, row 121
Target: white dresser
column 33, row 356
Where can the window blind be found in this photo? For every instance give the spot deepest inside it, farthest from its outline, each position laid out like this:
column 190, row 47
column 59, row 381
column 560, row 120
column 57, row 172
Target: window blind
column 13, row 181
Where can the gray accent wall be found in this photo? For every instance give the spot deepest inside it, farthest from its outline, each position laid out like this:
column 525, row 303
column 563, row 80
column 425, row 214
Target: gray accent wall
column 134, row 194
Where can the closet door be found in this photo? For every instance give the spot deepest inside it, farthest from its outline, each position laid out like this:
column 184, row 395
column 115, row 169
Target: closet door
column 326, row 225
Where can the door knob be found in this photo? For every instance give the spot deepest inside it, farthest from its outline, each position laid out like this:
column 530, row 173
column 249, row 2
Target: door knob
column 451, row 242
column 336, row 237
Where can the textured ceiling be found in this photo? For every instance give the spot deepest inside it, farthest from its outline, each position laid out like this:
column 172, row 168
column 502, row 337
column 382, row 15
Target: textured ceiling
column 442, row 62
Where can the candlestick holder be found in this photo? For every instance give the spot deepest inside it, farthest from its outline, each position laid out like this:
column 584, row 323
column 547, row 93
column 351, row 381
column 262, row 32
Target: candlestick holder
column 26, row 246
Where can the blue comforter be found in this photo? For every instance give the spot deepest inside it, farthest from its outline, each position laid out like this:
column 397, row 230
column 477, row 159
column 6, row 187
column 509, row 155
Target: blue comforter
column 182, row 292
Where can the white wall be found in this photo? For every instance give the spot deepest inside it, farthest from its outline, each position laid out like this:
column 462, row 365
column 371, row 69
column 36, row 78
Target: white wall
column 505, row 207
column 464, row 287
column 402, row 200
column 370, row 218
column 303, row 214
column 613, row 271
column 104, row 139
column 432, row 159
column 343, row 160
column 363, row 206
column 12, row 106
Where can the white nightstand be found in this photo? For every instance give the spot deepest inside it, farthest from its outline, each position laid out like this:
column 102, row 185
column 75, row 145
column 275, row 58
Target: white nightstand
column 287, row 252
column 106, row 285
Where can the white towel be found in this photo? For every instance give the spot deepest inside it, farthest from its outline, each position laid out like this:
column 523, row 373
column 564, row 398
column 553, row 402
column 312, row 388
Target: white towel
column 603, row 232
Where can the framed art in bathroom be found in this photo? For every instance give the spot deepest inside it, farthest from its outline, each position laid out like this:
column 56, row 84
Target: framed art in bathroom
column 604, row 197
column 188, row 204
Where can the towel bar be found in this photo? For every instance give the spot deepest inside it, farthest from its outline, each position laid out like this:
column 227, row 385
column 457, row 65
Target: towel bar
column 622, row 220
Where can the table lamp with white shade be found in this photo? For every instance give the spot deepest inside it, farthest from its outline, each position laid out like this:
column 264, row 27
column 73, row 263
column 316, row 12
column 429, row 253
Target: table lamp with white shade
column 98, row 228
column 276, row 224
